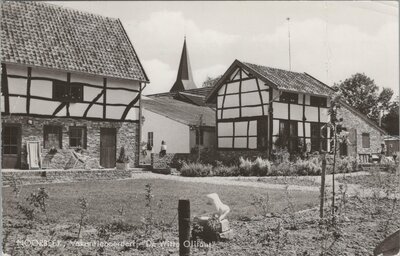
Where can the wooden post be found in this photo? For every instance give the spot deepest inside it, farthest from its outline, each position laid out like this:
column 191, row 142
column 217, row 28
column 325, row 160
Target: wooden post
column 184, row 227
column 323, row 172
column 333, row 173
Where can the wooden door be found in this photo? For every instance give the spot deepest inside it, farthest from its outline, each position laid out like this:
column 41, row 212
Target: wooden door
column 11, row 146
column 108, row 137
column 352, row 146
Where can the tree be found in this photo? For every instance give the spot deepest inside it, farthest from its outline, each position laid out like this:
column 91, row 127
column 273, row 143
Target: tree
column 210, row 82
column 361, row 92
column 390, row 121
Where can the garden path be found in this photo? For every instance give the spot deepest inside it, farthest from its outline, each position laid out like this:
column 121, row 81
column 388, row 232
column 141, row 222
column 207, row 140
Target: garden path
column 268, row 182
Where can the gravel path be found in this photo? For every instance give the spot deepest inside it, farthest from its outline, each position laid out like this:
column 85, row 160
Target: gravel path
column 252, row 182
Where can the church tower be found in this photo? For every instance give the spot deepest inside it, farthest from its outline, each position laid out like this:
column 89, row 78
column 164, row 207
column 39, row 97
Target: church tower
column 184, row 80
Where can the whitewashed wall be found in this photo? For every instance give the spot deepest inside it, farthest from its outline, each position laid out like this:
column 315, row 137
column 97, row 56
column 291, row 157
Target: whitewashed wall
column 175, row 134
column 235, row 102
column 41, row 91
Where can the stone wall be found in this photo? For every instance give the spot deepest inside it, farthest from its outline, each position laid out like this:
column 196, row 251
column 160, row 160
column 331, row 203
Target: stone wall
column 49, row 176
column 352, row 120
column 170, row 160
column 127, row 136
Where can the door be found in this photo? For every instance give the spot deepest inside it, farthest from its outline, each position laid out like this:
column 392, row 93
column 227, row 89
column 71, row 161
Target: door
column 11, row 146
column 352, row 146
column 108, row 145
column 262, row 133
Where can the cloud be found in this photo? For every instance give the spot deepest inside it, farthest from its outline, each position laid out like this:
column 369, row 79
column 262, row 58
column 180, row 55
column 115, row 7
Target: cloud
column 200, row 75
column 161, row 76
column 333, row 52
column 328, row 51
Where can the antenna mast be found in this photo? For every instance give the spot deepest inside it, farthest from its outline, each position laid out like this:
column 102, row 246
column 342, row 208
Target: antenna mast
column 290, row 61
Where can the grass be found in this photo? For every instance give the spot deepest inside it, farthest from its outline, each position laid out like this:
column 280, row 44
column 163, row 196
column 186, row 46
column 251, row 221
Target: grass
column 105, row 198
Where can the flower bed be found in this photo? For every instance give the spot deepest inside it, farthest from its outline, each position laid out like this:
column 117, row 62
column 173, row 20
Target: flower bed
column 263, row 167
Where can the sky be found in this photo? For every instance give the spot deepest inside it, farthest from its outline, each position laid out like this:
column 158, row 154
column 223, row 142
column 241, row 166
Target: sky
column 328, row 40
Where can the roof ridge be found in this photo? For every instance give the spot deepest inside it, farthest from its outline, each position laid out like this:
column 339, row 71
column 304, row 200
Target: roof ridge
column 281, row 69
column 64, row 7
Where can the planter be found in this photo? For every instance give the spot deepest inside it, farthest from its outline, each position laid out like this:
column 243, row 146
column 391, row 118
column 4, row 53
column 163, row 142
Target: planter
column 122, row 166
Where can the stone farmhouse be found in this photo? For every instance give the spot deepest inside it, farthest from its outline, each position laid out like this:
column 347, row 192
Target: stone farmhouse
column 69, row 79
column 258, row 108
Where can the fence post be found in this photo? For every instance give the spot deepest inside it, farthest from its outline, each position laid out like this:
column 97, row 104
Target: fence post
column 184, row 227
column 321, row 206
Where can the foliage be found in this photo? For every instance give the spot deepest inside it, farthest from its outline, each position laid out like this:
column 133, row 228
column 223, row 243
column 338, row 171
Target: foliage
column 361, row 92
column 222, row 170
column 148, row 220
column 210, row 81
column 346, row 164
column 259, row 167
column 311, row 166
column 39, row 200
column 123, row 158
column 282, row 169
column 261, row 203
column 208, row 232
column 280, row 155
column 290, row 210
column 83, row 206
column 196, row 169
column 390, row 121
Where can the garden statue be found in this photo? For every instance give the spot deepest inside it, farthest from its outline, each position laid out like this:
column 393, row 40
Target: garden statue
column 213, row 228
column 222, row 209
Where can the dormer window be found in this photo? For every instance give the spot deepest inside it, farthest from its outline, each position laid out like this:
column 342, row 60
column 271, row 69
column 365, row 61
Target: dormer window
column 67, row 93
column 289, row 97
column 318, row 101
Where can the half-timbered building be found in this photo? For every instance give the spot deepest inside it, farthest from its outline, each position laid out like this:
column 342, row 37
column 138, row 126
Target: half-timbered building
column 259, row 108
column 69, row 79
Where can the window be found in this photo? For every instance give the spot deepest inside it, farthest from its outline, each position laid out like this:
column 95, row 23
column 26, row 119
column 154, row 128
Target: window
column 52, row 136
column 199, row 137
column 10, row 140
column 77, row 136
column 319, row 139
column 150, row 140
column 365, row 140
column 288, row 135
column 69, row 93
column 318, row 101
column 289, row 97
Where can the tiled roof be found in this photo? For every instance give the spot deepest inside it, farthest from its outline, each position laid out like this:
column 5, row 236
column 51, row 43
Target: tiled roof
column 278, row 78
column 191, row 98
column 179, row 111
column 194, row 96
column 47, row 35
column 291, row 81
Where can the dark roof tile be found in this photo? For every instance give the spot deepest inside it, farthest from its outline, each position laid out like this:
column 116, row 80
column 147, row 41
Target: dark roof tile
column 47, row 35
column 179, row 111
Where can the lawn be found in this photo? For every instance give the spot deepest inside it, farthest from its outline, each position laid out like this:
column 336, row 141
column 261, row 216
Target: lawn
column 107, row 197
column 360, row 225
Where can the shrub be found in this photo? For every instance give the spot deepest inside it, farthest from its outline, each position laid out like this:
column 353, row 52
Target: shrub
column 346, row 164
column 261, row 167
column 245, row 167
column 282, row 169
column 222, row 170
column 195, row 169
column 311, row 166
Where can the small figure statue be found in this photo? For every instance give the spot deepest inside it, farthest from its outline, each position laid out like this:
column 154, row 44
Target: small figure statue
column 222, row 209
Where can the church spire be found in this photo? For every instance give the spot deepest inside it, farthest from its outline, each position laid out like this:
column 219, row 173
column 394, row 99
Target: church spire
column 184, row 79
